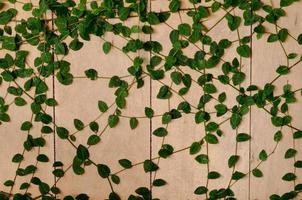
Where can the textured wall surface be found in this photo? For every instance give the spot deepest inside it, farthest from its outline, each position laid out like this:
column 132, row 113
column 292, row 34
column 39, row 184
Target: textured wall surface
column 182, row 173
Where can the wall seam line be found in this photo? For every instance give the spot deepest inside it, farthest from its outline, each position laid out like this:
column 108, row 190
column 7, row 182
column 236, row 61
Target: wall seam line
column 54, row 108
column 250, row 113
column 150, row 102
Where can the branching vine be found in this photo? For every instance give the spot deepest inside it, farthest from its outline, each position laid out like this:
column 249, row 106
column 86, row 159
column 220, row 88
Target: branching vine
column 54, row 28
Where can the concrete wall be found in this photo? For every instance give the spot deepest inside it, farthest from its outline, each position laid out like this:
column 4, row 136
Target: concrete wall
column 181, row 171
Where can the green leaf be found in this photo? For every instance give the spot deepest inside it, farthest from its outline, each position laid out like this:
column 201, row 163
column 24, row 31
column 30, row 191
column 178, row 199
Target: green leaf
column 113, row 196
column 277, row 121
column 202, row 159
column 263, row 155
column 300, row 39
column 133, row 122
column 222, row 97
column 292, row 56
column 106, row 47
column 76, row 166
column 284, row 3
column 94, row 126
column 282, row 70
column 58, row 173
column 272, row 38
column 82, row 152
column 82, row 196
column 22, row 187
column 26, row 126
column 155, row 61
column 102, row 106
column 244, row 51
column 290, row 153
column 8, row 30
column 235, row 120
column 237, row 175
column 195, row 148
column 164, row 93
column 19, row 101
column 93, row 140
column 51, row 102
column 8, row 183
column 174, row 5
column 153, row 18
column 9, row 43
column 7, row 76
column 211, row 139
column 201, row 190
column 298, row 187
column 211, row 127
column 123, row 13
column 203, row 12
column 120, row 101
column 233, row 21
column 185, row 107
column 242, row 137
column 282, row 34
column 62, row 132
column 115, row 179
column 61, row 49
column 92, row 74
column 165, row 151
column 184, row 29
column 76, row 45
column 221, row 109
column 238, row 78
column 113, row 120
column 213, row 175
column 46, row 130
column 201, row 116
column 297, row 135
column 278, row 136
column 174, row 36
column 159, row 182
column 17, row 158
column 183, row 91
column 147, row 29
column 42, row 158
column 41, row 87
column 160, row 132
column 125, row 163
column 103, row 170
column 65, row 78
column 224, row 43
column 150, row 166
column 233, row 160
column 209, row 88
column 21, row 58
column 298, row 164
column 289, row 177
column 5, row 17
column 115, row 81
column 215, row 6
column 44, row 188
column 78, row 124
column 176, row 77
column 257, row 173
column 149, row 112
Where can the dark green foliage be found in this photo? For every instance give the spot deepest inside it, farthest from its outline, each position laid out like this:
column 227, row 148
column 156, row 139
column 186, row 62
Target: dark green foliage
column 217, row 80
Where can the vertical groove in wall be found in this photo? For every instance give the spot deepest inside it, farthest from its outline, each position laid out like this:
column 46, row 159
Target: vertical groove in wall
column 53, row 108
column 150, row 102
column 250, row 113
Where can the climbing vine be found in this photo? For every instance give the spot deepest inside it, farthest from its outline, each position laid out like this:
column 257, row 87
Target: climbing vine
column 56, row 28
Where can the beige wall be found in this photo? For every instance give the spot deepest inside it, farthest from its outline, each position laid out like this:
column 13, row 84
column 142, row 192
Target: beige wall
column 181, row 171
